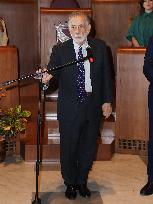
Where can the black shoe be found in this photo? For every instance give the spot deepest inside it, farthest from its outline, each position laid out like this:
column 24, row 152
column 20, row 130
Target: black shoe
column 147, row 189
column 84, row 191
column 70, row 192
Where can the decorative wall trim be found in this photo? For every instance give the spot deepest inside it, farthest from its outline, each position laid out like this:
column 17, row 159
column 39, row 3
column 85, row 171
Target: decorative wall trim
column 50, row 10
column 18, row 1
column 131, row 144
column 114, row 1
column 131, row 50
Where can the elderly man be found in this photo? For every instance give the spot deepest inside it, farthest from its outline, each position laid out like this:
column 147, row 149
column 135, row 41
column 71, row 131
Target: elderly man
column 85, row 91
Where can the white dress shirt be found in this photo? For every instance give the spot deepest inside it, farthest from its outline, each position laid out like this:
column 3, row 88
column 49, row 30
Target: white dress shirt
column 88, row 86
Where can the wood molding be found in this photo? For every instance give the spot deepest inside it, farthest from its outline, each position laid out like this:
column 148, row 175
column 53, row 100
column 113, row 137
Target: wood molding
column 114, row 1
column 18, row 1
column 131, row 50
column 131, row 100
column 50, row 10
column 5, row 48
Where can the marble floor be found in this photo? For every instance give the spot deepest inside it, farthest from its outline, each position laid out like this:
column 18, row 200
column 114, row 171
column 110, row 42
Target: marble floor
column 117, row 182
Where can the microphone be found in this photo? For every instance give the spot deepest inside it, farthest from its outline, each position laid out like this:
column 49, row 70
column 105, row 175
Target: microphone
column 90, row 54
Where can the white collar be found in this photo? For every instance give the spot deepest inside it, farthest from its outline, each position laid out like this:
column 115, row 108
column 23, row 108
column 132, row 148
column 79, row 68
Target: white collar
column 84, row 46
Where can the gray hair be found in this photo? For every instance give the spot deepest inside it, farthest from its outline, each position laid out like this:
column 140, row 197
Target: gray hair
column 79, row 13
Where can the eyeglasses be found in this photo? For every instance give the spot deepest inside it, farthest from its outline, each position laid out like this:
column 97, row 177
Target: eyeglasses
column 79, row 27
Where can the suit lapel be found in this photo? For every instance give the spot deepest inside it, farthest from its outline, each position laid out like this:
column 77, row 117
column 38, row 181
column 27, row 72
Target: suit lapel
column 94, row 51
column 71, row 52
column 68, row 55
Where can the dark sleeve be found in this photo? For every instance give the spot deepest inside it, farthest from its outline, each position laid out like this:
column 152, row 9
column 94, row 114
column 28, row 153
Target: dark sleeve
column 107, row 77
column 148, row 61
column 54, row 62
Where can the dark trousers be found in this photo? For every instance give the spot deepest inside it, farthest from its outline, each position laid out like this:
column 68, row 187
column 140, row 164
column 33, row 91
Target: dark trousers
column 77, row 144
column 150, row 148
column 150, row 143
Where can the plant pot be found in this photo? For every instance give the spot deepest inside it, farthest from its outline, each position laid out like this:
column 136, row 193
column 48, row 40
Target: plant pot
column 10, row 145
column 2, row 150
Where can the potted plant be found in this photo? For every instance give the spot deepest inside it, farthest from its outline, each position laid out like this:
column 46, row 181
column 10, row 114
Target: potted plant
column 13, row 121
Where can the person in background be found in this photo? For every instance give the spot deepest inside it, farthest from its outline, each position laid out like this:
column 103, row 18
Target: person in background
column 3, row 33
column 141, row 28
column 148, row 72
column 85, row 91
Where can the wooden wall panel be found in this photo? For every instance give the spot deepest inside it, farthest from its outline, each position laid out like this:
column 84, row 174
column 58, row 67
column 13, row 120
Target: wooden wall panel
column 22, row 26
column 85, row 3
column 114, row 1
column 45, row 3
column 131, row 96
column 112, row 19
column 9, row 71
column 82, row 3
column 21, row 17
column 48, row 33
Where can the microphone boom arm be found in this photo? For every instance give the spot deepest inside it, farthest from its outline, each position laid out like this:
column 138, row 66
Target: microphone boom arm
column 39, row 75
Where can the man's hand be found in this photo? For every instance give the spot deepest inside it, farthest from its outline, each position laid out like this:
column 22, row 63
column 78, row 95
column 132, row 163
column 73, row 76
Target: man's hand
column 106, row 109
column 1, row 93
column 46, row 77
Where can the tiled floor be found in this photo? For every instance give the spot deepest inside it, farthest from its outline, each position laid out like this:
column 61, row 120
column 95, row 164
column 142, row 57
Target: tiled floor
column 117, row 181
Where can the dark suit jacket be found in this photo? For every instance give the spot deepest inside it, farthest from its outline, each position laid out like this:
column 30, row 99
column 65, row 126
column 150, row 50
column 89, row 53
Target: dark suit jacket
column 148, row 72
column 100, row 78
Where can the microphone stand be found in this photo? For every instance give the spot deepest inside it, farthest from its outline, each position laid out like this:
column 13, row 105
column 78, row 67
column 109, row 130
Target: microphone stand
column 37, row 200
column 40, row 75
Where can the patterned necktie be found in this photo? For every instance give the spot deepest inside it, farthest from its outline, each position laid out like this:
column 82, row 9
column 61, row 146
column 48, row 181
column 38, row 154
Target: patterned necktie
column 81, row 78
